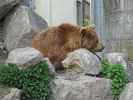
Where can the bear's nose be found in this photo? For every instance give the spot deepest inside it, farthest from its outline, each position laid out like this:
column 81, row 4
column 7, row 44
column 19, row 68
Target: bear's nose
column 100, row 48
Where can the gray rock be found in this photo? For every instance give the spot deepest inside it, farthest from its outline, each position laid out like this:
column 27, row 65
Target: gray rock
column 50, row 66
column 3, row 51
column 30, row 4
column 83, row 61
column 130, row 64
column 6, row 6
column 127, row 94
column 121, row 58
column 13, row 95
column 24, row 56
column 20, row 26
column 4, row 91
column 117, row 58
column 1, row 32
column 82, row 88
column 130, row 71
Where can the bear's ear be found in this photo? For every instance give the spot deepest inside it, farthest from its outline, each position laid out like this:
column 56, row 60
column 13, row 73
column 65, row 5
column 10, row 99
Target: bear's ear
column 88, row 32
column 85, row 31
column 93, row 26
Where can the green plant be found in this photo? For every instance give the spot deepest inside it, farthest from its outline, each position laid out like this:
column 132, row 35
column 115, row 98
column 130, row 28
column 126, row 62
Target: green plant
column 117, row 74
column 105, row 71
column 35, row 81
column 119, row 80
column 86, row 22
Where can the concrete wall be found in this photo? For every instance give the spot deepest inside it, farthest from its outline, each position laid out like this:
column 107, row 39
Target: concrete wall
column 119, row 25
column 57, row 12
column 43, row 9
column 97, row 18
column 63, row 11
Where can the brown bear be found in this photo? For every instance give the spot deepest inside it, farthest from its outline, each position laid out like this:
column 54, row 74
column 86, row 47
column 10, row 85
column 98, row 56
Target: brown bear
column 57, row 41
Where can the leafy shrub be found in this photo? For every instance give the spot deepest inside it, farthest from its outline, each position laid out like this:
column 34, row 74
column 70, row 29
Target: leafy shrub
column 116, row 73
column 34, row 81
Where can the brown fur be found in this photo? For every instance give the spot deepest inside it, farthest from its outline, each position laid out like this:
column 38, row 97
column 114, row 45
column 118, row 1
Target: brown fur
column 56, row 42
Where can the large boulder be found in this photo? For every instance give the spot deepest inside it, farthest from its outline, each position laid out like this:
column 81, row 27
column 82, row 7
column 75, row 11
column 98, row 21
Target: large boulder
column 6, row 6
column 121, row 58
column 83, row 61
column 24, row 56
column 20, row 26
column 82, row 88
column 127, row 94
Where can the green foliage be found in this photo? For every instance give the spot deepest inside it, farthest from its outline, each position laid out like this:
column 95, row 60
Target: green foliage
column 106, row 70
column 86, row 22
column 9, row 75
column 118, row 76
column 34, row 81
column 119, row 80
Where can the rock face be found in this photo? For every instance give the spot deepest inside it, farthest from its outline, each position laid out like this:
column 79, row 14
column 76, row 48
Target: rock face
column 82, row 88
column 6, row 6
column 127, row 94
column 118, row 26
column 3, row 51
column 20, row 26
column 83, row 61
column 24, row 56
column 121, row 58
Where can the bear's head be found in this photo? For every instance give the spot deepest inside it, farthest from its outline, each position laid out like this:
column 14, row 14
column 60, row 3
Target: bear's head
column 80, row 37
column 89, row 39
